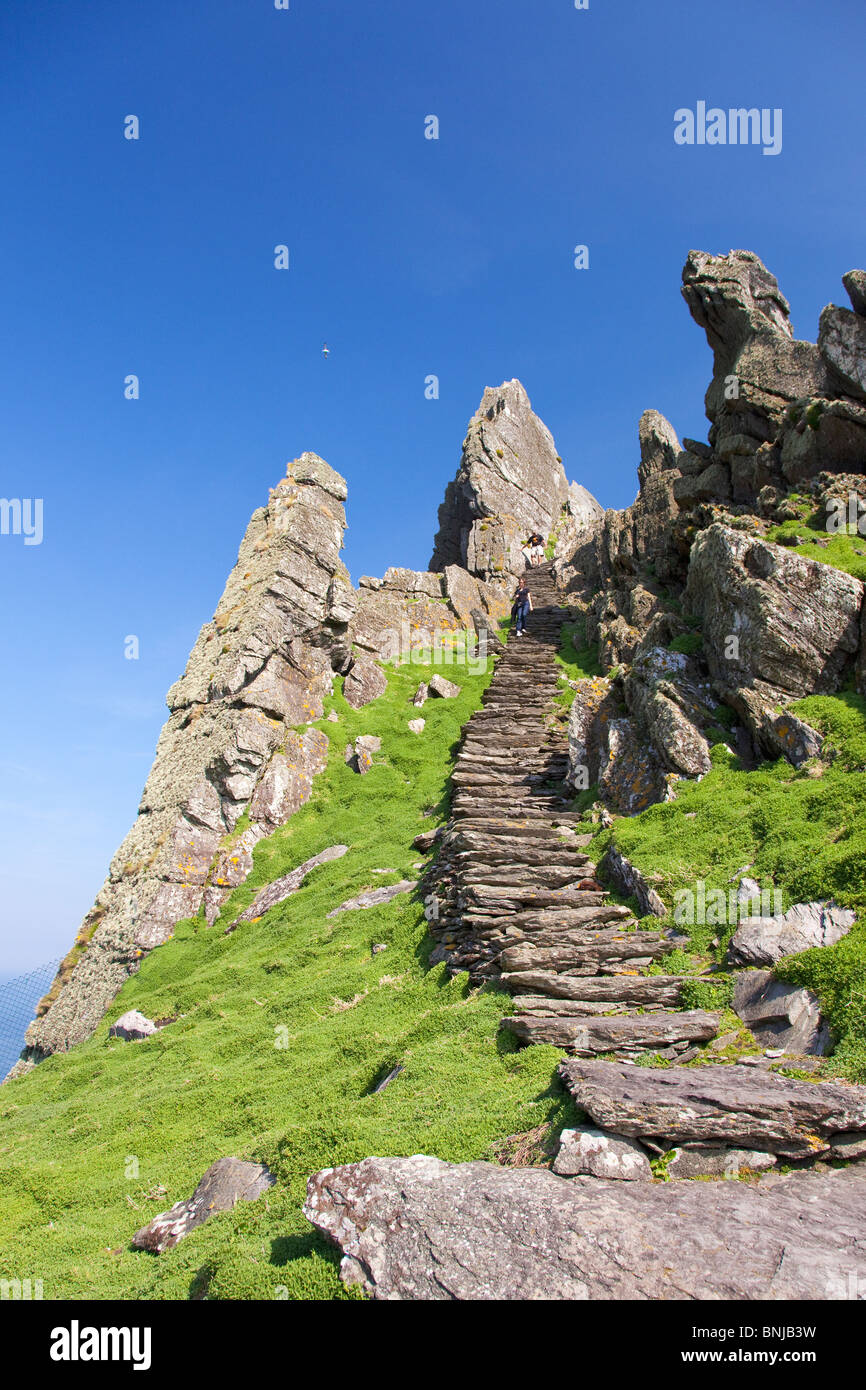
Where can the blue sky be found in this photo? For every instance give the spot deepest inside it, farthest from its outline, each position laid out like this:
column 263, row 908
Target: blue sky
column 409, row 256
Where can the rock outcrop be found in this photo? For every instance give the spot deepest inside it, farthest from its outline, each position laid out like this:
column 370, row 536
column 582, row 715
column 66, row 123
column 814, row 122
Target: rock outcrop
column 417, row 1228
column 265, row 662
column 510, row 483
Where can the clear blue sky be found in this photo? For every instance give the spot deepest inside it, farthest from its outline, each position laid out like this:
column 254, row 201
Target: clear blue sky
column 408, row 256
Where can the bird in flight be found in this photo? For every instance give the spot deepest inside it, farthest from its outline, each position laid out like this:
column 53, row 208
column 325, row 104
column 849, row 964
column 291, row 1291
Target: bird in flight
column 325, row 350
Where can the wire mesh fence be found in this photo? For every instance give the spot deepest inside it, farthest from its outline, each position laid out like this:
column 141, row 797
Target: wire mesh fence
column 18, row 1000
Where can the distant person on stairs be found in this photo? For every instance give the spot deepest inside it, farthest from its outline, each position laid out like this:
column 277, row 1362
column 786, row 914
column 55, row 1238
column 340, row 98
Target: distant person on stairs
column 533, row 551
column 521, row 606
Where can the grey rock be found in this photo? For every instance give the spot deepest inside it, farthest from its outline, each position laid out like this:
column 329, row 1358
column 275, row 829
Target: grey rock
column 446, row 690
column 416, row 726
column 737, row 1106
column 226, row 1182
column 509, row 484
column 842, row 340
column 704, row 1161
column 779, row 1015
column 374, row 898
column 132, row 1027
column 848, row 1146
column 796, row 620
column 269, row 641
column 420, row 696
column 287, row 782
column 365, row 682
column 282, row 888
column 590, row 1151
column 589, row 1036
column 629, row 880
column 855, row 284
column 762, row 941
column 420, row 1229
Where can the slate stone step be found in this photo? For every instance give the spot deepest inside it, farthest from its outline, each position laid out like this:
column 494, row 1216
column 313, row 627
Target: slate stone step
column 590, row 1035
column 635, row 991
column 515, row 896
column 602, row 951
column 734, row 1105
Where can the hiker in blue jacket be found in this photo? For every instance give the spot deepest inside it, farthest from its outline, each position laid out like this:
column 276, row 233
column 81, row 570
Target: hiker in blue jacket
column 521, row 606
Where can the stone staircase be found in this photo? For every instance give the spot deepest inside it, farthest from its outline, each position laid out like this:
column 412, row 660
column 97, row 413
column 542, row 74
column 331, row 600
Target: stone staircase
column 517, row 892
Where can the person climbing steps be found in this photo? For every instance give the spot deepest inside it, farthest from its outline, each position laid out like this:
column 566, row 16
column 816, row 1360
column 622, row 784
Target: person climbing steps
column 521, row 606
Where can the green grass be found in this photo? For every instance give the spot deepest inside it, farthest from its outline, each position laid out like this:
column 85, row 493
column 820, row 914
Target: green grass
column 842, row 551
column 788, row 829
column 96, row 1142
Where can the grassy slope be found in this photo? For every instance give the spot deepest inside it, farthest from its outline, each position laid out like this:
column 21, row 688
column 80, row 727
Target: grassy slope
column 214, row 1083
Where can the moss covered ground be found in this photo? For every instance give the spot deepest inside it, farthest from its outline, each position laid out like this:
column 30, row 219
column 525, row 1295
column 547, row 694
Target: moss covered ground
column 283, row 1029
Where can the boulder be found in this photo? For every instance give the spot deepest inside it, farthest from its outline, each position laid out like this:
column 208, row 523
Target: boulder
column 419, row 1229
column 132, row 1027
column 365, row 682
column 794, row 622
column 737, row 1106
column 284, row 887
column 226, row 1182
column 779, row 1015
column 446, row 690
column 592, row 1152
column 762, row 941
column 420, row 696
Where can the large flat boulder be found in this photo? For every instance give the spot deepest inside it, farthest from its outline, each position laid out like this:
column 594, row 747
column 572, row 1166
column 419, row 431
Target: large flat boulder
column 762, row 941
column 420, row 1229
column 733, row 1105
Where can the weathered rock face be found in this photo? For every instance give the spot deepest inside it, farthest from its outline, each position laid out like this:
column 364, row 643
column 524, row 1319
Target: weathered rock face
column 265, row 661
column 417, row 1228
column 592, row 1152
column 510, row 483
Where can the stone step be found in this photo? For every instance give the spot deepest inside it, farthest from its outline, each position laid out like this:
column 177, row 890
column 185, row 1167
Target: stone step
column 589, row 1035
column 737, row 1105
column 505, row 897
column 636, row 991
column 509, row 875
column 602, row 950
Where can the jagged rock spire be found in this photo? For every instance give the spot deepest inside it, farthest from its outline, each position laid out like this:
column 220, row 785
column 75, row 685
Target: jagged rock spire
column 510, row 482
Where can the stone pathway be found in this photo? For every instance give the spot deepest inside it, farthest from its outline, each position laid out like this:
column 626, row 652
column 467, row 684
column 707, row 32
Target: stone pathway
column 518, row 897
